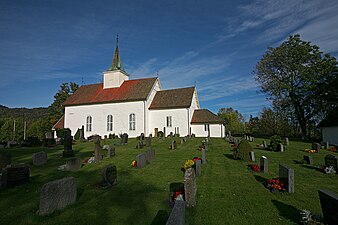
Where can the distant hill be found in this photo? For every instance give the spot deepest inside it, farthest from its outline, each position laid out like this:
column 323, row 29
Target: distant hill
column 33, row 114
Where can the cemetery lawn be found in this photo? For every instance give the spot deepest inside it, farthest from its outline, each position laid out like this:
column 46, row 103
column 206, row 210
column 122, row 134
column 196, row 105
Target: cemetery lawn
column 227, row 191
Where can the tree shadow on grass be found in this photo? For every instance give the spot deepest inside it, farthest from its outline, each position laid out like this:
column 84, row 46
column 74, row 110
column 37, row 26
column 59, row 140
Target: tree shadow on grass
column 287, row 211
column 261, row 180
column 311, row 167
column 160, row 218
column 297, row 162
column 230, row 156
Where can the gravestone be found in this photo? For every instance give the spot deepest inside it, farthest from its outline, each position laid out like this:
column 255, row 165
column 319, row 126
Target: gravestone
column 14, row 175
column 308, row 159
column 185, row 139
column 315, row 146
column 329, row 204
column 40, row 158
column 56, row 195
column 173, row 145
column 109, row 175
column 182, row 141
column 264, row 144
column 142, row 136
column 204, row 159
column 124, row 139
column 190, row 187
column 73, row 164
column 97, row 149
column 110, row 150
column 264, row 166
column 152, row 154
column 139, row 144
column 280, row 147
column 11, row 143
column 49, row 135
column 331, row 160
column 177, row 215
column 326, row 145
column 67, row 143
column 252, row 156
column 198, row 167
column 82, row 138
column 148, row 141
column 141, row 160
column 287, row 175
column 206, row 144
column 286, row 141
column 5, row 159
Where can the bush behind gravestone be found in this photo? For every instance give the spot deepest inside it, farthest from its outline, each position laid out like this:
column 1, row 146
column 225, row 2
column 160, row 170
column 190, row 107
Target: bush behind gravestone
column 243, row 150
column 274, row 141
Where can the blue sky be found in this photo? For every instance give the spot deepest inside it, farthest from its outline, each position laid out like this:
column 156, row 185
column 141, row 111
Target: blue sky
column 214, row 45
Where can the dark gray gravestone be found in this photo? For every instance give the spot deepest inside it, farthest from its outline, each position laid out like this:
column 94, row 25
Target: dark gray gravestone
column 316, row 146
column 40, row 158
column 110, row 150
column 308, row 159
column 139, row 144
column 329, row 204
column 331, row 160
column 177, row 215
column 148, row 160
column 82, row 138
column 152, row 154
column 14, row 175
column 56, row 195
column 67, row 143
column 142, row 137
column 97, row 149
column 109, row 175
column 287, row 175
column 5, row 159
column 190, row 187
column 198, row 164
column 141, row 160
column 252, row 156
column 124, row 139
column 280, row 147
column 286, row 141
column 73, row 164
column 148, row 141
column 264, row 166
column 204, row 159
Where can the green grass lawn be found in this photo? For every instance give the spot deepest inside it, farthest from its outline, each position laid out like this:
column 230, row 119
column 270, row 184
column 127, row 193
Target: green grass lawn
column 227, row 192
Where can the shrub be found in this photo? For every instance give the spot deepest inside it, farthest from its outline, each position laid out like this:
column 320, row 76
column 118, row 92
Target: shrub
column 242, row 150
column 274, row 141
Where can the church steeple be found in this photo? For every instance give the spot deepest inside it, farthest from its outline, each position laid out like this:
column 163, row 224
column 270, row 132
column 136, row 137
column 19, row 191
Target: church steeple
column 115, row 75
column 116, row 63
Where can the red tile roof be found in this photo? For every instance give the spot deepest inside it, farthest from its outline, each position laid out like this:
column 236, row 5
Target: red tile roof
column 175, row 98
column 59, row 124
column 204, row 116
column 130, row 90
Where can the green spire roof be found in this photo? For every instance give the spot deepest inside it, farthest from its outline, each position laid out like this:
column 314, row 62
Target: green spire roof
column 117, row 63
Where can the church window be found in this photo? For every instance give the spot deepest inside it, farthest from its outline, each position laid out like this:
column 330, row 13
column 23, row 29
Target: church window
column 169, row 121
column 109, row 123
column 132, row 121
column 89, row 123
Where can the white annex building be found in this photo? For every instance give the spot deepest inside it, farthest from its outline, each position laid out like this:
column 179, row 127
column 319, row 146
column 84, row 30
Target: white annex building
column 120, row 105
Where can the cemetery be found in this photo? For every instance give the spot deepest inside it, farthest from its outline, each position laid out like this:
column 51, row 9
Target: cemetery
column 218, row 188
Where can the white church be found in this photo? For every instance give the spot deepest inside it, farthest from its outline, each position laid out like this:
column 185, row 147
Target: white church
column 122, row 105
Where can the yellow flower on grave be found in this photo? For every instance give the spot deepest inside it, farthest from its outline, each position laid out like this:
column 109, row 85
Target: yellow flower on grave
column 188, row 164
column 134, row 163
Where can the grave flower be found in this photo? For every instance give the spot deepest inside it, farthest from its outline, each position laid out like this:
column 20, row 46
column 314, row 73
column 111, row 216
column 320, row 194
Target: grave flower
column 134, row 163
column 188, row 164
column 333, row 149
column 276, row 184
column 196, row 158
column 255, row 168
column 310, row 150
column 327, row 169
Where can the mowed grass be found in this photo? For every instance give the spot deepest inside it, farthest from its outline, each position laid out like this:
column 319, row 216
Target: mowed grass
column 227, row 192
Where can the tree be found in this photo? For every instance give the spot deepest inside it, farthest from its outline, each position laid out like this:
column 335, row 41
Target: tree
column 289, row 74
column 56, row 108
column 234, row 120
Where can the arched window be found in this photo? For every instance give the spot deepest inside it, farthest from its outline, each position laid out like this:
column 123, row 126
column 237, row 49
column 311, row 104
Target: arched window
column 109, row 123
column 132, row 121
column 89, row 123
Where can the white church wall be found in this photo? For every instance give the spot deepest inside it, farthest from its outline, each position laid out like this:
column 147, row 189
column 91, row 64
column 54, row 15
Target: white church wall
column 156, row 87
column 76, row 117
column 158, row 119
column 216, row 130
